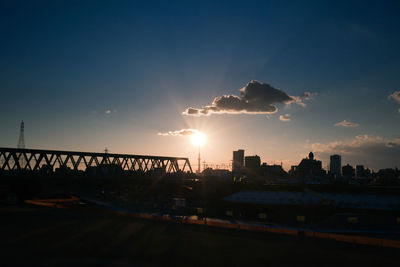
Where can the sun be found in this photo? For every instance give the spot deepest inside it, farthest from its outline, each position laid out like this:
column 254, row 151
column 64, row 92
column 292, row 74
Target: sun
column 198, row 139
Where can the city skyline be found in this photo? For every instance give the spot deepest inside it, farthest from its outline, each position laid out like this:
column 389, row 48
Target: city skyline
column 275, row 79
column 198, row 139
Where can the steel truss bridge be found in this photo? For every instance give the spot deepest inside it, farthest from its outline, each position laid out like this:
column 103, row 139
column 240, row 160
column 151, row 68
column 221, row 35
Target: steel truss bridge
column 15, row 159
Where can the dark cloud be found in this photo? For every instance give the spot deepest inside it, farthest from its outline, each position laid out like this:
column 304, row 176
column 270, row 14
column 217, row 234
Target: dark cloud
column 255, row 98
column 182, row 132
column 370, row 150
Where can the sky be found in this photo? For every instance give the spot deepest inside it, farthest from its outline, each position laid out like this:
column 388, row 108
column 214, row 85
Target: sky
column 276, row 78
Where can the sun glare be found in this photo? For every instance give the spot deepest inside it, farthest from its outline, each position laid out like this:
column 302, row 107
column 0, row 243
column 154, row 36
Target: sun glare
column 198, row 139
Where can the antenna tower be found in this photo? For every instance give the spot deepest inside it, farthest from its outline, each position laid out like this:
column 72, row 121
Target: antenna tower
column 199, row 164
column 21, row 140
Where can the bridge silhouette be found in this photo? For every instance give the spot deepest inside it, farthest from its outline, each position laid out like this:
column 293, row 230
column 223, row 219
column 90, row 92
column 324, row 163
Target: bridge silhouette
column 16, row 159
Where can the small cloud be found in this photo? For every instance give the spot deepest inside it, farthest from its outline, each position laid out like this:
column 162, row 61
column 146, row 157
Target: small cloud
column 346, row 123
column 395, row 96
column 301, row 98
column 109, row 111
column 255, row 98
column 308, row 95
column 285, row 117
column 182, row 132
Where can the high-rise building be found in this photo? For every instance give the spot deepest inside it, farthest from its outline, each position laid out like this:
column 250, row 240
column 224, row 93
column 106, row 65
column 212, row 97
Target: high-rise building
column 336, row 165
column 252, row 163
column 238, row 161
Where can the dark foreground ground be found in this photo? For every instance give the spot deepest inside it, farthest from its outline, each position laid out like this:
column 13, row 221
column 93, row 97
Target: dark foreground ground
column 83, row 235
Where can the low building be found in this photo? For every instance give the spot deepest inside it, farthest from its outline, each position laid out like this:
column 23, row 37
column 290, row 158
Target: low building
column 252, row 164
column 273, row 171
column 216, row 172
column 348, row 171
column 309, row 168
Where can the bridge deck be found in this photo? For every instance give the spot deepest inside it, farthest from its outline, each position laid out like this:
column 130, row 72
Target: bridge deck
column 36, row 159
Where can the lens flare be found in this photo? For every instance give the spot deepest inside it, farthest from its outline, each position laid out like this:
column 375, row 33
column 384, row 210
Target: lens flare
column 198, row 139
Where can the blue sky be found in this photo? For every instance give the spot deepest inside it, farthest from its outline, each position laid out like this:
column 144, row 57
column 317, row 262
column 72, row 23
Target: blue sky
column 85, row 75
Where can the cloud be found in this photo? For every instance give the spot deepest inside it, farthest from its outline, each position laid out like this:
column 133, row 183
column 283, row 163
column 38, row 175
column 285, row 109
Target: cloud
column 371, row 150
column 345, row 123
column 109, row 111
column 301, row 98
column 285, row 117
column 254, row 98
column 395, row 96
column 182, row 132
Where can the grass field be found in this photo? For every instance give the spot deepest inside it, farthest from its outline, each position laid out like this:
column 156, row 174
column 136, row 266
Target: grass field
column 82, row 235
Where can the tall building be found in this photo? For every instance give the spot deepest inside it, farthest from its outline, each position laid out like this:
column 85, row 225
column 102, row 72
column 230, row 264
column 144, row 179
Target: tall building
column 336, row 165
column 238, row 161
column 252, row 163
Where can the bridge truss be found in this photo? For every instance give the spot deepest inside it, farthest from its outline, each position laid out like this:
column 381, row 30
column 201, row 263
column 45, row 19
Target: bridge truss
column 15, row 159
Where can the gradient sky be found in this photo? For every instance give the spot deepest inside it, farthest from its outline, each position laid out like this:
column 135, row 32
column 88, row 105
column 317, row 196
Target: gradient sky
column 88, row 75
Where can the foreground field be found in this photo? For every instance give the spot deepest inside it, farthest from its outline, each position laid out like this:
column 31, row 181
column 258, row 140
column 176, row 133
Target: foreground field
column 83, row 235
